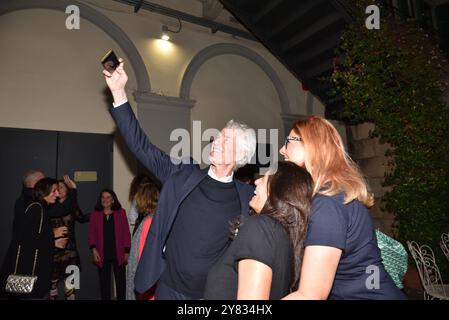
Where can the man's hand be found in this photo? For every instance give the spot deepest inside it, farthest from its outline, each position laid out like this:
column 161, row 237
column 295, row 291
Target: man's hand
column 116, row 82
column 69, row 182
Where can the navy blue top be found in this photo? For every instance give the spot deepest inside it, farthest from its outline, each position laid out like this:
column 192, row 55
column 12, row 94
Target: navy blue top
column 349, row 227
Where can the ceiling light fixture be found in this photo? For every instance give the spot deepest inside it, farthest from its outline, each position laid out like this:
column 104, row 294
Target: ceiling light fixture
column 165, row 30
column 165, row 35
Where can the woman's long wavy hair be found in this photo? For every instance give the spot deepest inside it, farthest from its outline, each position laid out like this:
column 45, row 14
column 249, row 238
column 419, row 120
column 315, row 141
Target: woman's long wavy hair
column 135, row 184
column 332, row 169
column 290, row 192
column 146, row 197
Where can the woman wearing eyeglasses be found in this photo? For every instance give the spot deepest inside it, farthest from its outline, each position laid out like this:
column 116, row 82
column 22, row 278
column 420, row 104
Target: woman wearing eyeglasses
column 341, row 256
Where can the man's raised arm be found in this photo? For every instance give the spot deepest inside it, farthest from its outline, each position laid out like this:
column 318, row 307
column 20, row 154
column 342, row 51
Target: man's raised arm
column 155, row 160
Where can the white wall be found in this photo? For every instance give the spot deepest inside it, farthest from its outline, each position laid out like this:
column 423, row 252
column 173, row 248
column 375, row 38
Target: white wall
column 166, row 67
column 51, row 77
column 232, row 87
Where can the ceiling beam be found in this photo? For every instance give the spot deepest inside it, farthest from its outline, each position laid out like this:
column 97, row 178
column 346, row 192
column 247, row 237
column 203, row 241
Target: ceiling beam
column 324, row 22
column 271, row 5
column 293, row 16
column 212, row 25
column 327, row 44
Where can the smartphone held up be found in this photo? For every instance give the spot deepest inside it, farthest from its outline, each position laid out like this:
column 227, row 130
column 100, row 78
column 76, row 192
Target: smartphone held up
column 110, row 61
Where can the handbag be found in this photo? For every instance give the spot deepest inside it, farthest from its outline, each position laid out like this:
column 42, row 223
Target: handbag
column 19, row 283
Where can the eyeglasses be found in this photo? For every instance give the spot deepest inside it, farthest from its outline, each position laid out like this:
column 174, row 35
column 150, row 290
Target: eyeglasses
column 288, row 139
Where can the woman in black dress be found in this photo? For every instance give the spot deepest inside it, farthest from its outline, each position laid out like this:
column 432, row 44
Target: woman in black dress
column 264, row 259
column 68, row 256
column 35, row 238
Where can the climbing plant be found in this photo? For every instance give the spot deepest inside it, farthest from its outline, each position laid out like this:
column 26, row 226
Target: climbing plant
column 396, row 77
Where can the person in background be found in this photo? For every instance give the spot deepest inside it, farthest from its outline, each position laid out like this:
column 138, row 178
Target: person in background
column 341, row 257
column 264, row 260
column 32, row 244
column 135, row 184
column 110, row 242
column 62, row 258
column 146, row 199
column 30, row 178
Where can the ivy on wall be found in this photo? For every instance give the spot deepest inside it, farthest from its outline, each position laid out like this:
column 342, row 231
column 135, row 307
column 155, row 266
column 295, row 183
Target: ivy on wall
column 397, row 78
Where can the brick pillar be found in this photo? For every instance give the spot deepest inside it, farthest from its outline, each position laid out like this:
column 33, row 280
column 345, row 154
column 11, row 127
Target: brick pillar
column 369, row 154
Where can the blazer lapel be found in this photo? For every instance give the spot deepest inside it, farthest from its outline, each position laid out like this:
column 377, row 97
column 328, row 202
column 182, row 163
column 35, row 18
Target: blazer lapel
column 191, row 182
column 244, row 197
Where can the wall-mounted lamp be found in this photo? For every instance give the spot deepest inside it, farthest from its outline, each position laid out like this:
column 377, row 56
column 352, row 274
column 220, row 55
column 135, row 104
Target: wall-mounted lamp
column 165, row 35
column 165, row 30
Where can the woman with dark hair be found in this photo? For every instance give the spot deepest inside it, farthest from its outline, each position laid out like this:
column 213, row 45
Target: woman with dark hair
column 110, row 241
column 62, row 258
column 31, row 249
column 264, row 259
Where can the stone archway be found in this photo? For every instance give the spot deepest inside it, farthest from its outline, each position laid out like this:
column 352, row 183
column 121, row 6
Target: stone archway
column 98, row 19
column 235, row 49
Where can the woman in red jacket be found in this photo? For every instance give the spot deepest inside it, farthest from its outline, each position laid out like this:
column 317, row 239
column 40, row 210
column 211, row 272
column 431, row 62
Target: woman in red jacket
column 110, row 241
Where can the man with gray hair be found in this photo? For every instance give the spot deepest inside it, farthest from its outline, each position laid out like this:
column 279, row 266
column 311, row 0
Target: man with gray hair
column 189, row 231
column 30, row 178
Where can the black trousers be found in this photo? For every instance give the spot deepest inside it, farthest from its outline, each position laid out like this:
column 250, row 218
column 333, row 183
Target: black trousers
column 105, row 280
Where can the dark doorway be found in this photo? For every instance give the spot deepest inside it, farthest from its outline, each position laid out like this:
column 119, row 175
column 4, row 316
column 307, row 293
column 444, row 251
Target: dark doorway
column 56, row 154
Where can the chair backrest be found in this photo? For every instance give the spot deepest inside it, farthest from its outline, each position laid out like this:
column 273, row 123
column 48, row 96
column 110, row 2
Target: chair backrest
column 444, row 244
column 427, row 267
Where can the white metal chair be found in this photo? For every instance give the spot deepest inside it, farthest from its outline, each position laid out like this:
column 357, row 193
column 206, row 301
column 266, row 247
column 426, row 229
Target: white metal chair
column 430, row 276
column 444, row 244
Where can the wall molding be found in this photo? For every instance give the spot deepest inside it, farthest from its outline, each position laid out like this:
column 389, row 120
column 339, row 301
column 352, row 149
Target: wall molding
column 155, row 99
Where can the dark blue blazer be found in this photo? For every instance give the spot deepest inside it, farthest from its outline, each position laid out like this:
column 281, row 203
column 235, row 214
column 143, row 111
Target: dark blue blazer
column 178, row 180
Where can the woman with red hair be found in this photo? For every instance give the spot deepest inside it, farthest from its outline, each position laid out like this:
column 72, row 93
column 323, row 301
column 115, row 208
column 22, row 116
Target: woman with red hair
column 341, row 256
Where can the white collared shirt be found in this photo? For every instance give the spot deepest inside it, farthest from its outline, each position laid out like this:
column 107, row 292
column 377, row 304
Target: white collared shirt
column 227, row 179
column 121, row 103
